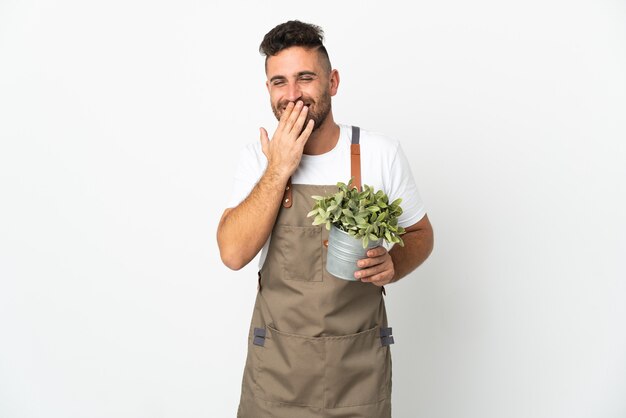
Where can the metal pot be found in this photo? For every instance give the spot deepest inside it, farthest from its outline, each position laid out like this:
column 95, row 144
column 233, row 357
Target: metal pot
column 344, row 251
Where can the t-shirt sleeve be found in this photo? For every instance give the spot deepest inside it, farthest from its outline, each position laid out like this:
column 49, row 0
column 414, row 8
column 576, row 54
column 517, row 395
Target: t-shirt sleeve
column 402, row 185
column 250, row 168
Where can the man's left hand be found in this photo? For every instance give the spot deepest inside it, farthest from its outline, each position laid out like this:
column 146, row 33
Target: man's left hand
column 377, row 268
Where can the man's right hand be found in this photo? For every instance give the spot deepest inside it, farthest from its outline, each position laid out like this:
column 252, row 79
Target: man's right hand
column 284, row 151
column 245, row 228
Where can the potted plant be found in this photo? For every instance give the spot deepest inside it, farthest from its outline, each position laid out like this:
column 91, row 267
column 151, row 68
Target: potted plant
column 357, row 221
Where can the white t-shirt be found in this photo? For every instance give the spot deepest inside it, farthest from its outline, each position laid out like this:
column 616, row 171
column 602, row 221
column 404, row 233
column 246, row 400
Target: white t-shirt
column 383, row 167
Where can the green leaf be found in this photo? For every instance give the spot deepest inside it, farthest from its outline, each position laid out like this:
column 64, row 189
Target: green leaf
column 365, row 214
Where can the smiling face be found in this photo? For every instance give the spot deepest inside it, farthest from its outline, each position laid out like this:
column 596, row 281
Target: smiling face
column 299, row 73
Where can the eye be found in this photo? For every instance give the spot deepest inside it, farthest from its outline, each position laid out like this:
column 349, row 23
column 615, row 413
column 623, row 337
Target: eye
column 278, row 83
column 306, row 78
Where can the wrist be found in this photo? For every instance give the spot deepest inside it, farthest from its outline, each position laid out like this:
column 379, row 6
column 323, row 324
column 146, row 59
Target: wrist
column 277, row 176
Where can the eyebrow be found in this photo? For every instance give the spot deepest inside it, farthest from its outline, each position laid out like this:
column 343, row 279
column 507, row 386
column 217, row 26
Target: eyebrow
column 300, row 74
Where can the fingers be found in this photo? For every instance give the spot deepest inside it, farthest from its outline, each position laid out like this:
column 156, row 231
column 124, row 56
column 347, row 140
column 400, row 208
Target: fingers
column 377, row 251
column 304, row 136
column 371, row 262
column 265, row 142
column 299, row 123
column 378, row 282
column 296, row 118
column 378, row 275
column 293, row 118
column 285, row 116
column 375, row 256
column 296, row 115
column 377, row 269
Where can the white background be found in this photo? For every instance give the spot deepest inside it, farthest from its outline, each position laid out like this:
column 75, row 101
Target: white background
column 120, row 126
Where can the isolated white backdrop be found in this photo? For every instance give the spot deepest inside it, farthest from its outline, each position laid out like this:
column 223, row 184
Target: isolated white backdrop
column 120, row 126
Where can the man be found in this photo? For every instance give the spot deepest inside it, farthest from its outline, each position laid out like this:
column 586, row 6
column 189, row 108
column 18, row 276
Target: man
column 318, row 345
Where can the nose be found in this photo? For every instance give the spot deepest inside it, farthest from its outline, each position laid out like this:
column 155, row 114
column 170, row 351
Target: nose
column 293, row 93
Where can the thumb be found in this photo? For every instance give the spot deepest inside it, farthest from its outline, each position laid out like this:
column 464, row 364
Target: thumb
column 265, row 142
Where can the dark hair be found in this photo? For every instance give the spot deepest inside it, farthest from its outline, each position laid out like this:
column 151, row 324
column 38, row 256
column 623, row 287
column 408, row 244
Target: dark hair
column 294, row 33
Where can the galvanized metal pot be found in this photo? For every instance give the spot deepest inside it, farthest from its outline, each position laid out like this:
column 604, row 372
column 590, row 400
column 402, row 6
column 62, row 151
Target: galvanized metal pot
column 344, row 251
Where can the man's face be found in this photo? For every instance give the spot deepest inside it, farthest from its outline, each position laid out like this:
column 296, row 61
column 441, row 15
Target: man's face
column 296, row 74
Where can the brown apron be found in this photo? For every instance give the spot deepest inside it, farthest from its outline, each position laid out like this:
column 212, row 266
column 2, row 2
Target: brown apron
column 318, row 345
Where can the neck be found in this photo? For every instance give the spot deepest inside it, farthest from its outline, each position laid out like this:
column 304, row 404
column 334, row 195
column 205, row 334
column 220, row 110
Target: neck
column 324, row 138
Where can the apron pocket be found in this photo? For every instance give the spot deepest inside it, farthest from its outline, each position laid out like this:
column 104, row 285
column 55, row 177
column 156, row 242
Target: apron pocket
column 291, row 369
column 299, row 250
column 358, row 369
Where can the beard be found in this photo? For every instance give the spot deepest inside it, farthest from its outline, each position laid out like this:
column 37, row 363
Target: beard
column 318, row 110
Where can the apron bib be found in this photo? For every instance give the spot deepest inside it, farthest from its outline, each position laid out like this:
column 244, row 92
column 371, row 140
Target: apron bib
column 318, row 345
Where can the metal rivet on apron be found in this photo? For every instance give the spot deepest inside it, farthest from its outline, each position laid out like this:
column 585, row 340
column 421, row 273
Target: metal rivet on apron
column 326, row 243
column 287, row 200
column 287, row 188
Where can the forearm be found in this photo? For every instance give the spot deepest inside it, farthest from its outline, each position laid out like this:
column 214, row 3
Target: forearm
column 243, row 230
column 418, row 245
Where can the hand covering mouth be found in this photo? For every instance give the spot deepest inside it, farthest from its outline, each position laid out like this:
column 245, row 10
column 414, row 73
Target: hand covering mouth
column 283, row 108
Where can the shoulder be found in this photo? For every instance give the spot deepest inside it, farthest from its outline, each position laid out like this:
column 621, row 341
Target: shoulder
column 252, row 149
column 251, row 162
column 377, row 139
column 377, row 144
column 253, row 153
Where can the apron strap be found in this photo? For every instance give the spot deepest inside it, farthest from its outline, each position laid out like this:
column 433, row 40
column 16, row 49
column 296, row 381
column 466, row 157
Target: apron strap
column 287, row 199
column 355, row 158
column 355, row 167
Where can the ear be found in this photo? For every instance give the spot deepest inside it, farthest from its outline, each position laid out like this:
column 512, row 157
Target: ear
column 267, row 85
column 334, row 82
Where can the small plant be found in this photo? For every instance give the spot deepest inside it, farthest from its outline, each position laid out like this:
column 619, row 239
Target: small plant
column 366, row 215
